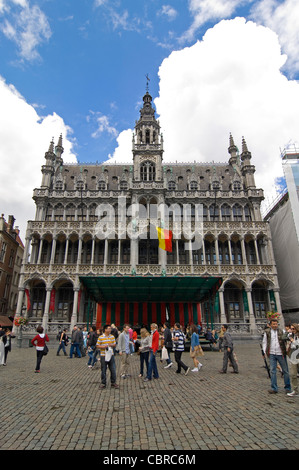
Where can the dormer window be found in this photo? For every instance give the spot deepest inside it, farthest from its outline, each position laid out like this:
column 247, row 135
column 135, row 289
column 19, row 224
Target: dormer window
column 123, row 186
column 147, row 171
column 59, row 185
column 193, row 185
column 101, row 186
column 215, row 186
column 237, row 186
column 80, row 186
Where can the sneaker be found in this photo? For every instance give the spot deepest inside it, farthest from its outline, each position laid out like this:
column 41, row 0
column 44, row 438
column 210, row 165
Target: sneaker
column 146, row 379
column 293, row 394
column 195, row 369
column 123, row 376
column 102, row 386
column 199, row 366
column 272, row 391
column 187, row 371
column 114, row 386
column 168, row 365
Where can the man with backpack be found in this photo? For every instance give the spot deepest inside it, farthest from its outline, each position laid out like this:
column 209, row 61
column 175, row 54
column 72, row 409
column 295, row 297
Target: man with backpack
column 179, row 348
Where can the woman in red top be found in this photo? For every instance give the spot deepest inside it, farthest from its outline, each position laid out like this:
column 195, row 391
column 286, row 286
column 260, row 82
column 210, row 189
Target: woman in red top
column 39, row 342
column 152, row 365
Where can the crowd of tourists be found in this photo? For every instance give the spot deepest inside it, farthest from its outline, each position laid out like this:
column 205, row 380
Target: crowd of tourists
column 279, row 347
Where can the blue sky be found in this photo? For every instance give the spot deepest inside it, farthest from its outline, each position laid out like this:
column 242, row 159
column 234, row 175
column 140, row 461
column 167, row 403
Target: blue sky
column 78, row 67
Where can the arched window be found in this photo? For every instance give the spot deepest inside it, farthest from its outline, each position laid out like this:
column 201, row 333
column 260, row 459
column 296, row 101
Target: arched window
column 147, row 171
column 58, row 212
column 70, row 212
column 147, row 136
column 237, row 212
column 214, row 212
column 247, row 213
column 225, row 212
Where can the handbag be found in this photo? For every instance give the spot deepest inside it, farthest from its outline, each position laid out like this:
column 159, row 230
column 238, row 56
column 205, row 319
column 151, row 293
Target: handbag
column 197, row 351
column 45, row 350
column 164, row 355
column 108, row 354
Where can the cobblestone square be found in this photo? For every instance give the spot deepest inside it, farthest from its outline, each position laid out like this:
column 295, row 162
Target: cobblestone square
column 63, row 408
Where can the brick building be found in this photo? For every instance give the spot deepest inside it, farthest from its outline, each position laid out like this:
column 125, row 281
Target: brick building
column 11, row 255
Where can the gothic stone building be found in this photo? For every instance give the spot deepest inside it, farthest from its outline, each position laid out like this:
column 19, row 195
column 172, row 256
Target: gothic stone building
column 82, row 270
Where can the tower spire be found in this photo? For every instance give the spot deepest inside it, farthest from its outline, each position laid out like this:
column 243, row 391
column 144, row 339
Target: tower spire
column 233, row 150
column 59, row 149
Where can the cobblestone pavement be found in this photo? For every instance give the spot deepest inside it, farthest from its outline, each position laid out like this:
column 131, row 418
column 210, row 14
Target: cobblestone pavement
column 63, row 408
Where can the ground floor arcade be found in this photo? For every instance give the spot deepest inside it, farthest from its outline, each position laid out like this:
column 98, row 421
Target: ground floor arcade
column 142, row 299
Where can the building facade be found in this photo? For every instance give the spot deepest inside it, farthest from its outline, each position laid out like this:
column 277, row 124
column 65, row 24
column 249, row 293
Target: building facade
column 283, row 220
column 11, row 255
column 97, row 222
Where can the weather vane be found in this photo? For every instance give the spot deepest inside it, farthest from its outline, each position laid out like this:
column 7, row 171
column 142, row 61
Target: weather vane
column 148, row 80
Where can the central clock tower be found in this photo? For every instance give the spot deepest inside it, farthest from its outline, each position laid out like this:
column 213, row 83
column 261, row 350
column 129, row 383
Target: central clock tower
column 147, row 144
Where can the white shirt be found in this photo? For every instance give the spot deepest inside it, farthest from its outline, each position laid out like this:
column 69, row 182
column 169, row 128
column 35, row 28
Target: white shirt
column 274, row 343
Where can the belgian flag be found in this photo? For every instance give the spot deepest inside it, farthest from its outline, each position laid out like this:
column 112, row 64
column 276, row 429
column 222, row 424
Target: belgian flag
column 165, row 239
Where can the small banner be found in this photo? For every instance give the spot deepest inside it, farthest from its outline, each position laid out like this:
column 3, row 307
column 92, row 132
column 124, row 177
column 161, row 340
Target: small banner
column 28, row 299
column 52, row 300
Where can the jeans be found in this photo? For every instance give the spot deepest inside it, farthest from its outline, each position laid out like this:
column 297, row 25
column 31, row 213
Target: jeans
column 94, row 357
column 91, row 355
column 61, row 346
column 152, row 366
column 274, row 359
column 112, row 367
column 143, row 359
column 77, row 347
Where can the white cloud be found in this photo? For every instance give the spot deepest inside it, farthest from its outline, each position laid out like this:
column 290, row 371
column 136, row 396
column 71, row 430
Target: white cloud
column 283, row 18
column 27, row 27
column 123, row 153
column 168, row 11
column 103, row 124
column 25, row 137
column 228, row 82
column 203, row 11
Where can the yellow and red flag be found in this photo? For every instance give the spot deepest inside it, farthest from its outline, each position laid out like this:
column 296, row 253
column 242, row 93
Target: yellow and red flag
column 165, row 239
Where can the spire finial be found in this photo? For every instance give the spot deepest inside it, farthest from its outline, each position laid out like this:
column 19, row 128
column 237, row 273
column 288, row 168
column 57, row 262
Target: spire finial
column 59, row 148
column 147, row 80
column 244, row 145
column 51, row 146
column 245, row 155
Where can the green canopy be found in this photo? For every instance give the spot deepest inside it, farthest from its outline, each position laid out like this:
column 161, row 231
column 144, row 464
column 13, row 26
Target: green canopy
column 150, row 289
